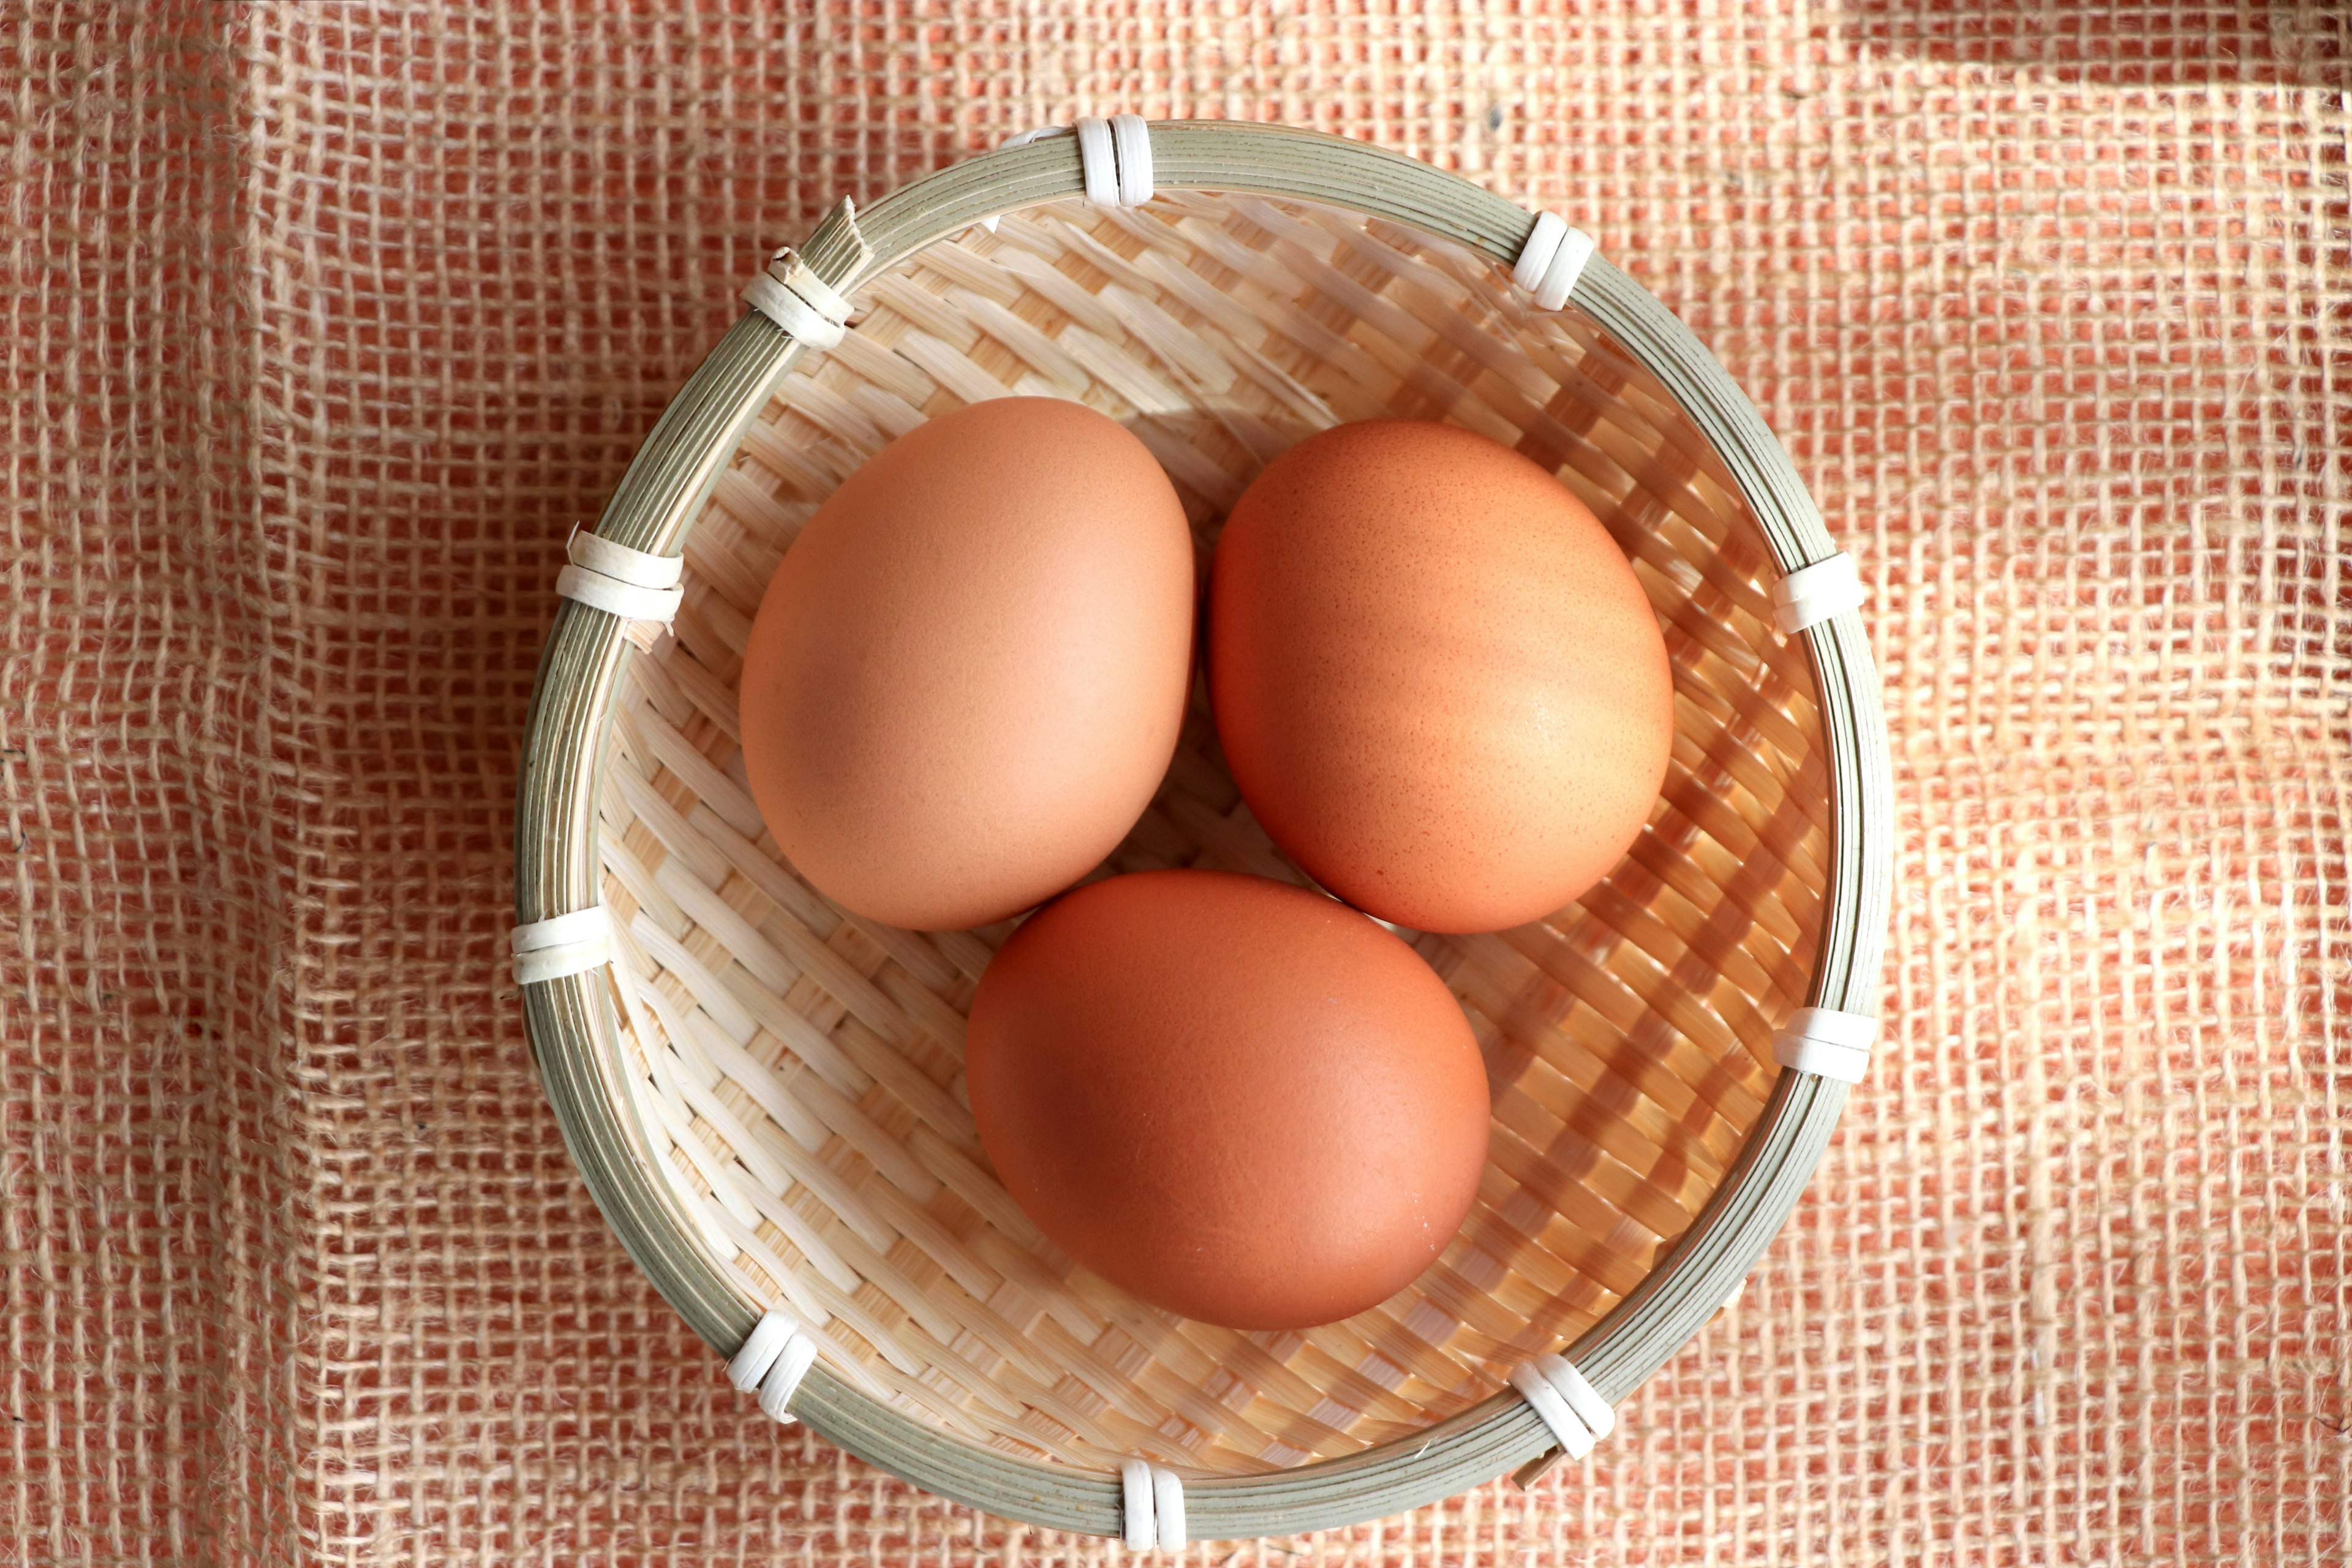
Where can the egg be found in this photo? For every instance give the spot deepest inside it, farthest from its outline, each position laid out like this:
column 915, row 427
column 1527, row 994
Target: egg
column 967, row 676
column 1436, row 680
column 1233, row 1097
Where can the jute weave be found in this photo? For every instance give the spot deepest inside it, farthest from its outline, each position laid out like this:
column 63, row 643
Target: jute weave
column 326, row 322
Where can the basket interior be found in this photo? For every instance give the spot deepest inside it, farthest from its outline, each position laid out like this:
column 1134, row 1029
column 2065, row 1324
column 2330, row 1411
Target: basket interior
column 797, row 1070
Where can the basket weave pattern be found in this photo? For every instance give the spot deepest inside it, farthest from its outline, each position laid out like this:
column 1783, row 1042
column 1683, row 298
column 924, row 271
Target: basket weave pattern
column 798, row 1070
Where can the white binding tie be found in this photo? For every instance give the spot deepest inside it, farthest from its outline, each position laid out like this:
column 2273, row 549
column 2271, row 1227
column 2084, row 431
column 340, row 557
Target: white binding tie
column 775, row 1357
column 1130, row 138
column 1811, row 594
column 1114, row 158
column 619, row 581
column 1152, row 1506
column 1826, row 1042
column 1553, row 260
column 812, row 310
column 561, row 944
column 1561, row 1398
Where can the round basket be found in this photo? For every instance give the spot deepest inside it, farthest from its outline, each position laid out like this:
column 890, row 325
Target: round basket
column 764, row 1093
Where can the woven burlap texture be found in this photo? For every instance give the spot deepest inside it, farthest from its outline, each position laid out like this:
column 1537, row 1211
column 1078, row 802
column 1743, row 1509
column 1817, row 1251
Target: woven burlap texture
column 325, row 323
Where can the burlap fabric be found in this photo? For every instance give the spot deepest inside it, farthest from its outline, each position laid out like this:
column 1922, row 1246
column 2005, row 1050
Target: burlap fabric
column 326, row 321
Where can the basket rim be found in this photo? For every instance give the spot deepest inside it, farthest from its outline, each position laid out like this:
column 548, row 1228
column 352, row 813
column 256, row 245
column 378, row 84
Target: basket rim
column 569, row 1020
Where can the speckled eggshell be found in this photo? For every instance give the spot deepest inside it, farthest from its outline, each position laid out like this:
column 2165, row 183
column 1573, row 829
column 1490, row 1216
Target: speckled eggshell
column 1436, row 677
column 967, row 676
column 1236, row 1099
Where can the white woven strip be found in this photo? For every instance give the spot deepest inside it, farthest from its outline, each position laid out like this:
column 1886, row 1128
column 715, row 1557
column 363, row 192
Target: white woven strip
column 1131, row 142
column 1583, row 1399
column 1824, row 1041
column 631, row 583
column 802, row 279
column 1137, row 1514
column 1551, row 260
column 558, row 931
column 560, row 945
column 1114, row 158
column 1167, row 1508
column 760, row 1348
column 636, row 567
column 1565, row 1402
column 1535, row 256
column 614, row 597
column 800, row 301
column 783, row 1379
column 1573, row 1437
column 789, row 311
column 775, row 1355
column 1097, row 161
column 1811, row 594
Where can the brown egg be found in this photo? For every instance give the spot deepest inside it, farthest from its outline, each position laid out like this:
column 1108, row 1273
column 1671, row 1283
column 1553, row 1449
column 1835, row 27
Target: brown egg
column 968, row 675
column 1436, row 680
column 1233, row 1097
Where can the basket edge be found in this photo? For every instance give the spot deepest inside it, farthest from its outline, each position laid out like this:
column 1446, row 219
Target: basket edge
column 568, row 1019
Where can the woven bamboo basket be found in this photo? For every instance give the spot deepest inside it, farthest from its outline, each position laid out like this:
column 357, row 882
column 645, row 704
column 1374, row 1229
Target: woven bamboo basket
column 764, row 1092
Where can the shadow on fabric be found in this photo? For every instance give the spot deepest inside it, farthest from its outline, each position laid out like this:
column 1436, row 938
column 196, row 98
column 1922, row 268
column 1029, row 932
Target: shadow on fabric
column 2116, row 42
